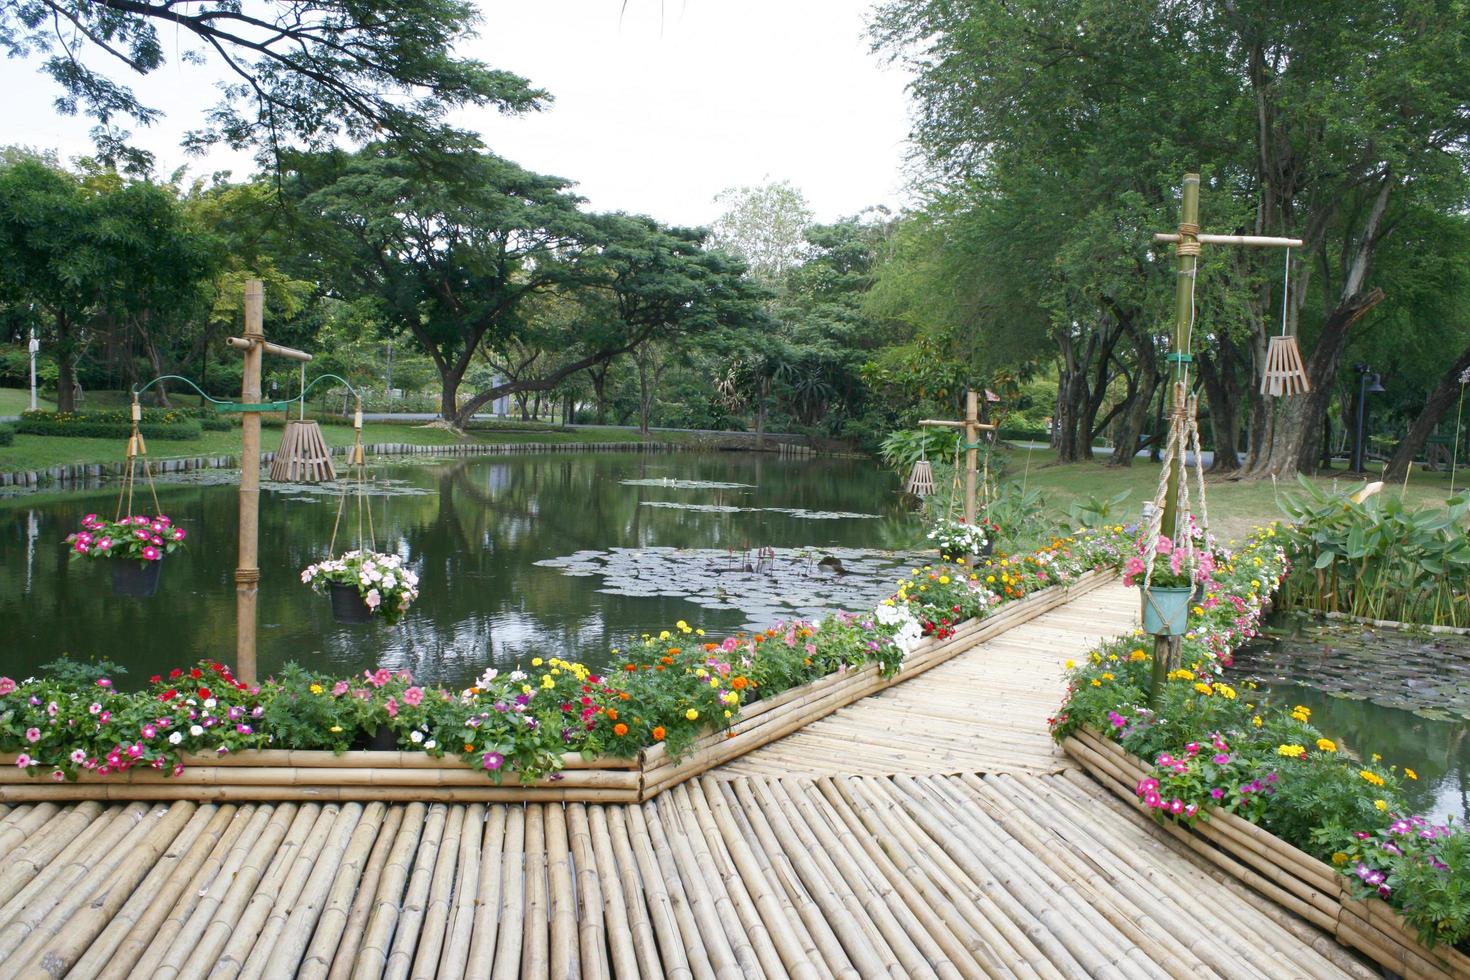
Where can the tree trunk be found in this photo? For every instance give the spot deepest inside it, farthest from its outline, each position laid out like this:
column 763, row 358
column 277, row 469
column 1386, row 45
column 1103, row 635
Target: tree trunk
column 448, row 393
column 599, row 394
column 645, row 393
column 1445, row 393
column 1222, row 384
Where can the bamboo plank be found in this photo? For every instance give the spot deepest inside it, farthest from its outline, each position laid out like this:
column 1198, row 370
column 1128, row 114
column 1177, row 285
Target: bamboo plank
column 433, row 921
column 466, row 890
column 536, row 943
column 377, row 937
column 349, row 939
column 514, row 858
column 591, row 934
column 483, row 933
column 645, row 948
column 310, row 940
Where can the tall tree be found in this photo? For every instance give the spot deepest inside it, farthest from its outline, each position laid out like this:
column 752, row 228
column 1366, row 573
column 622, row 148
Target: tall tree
column 301, row 72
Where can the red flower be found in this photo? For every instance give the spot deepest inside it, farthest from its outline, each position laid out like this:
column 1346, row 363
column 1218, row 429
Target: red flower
column 204, row 693
column 196, row 673
column 168, row 695
column 175, row 674
column 155, row 679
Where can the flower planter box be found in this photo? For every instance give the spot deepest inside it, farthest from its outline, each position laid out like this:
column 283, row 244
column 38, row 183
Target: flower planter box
column 287, row 775
column 1285, row 874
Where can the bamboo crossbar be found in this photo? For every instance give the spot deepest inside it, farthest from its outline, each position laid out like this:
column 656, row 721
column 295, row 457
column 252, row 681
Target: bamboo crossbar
column 1283, row 873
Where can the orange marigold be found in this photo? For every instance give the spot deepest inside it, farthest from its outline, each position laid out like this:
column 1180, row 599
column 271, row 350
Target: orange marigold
column 631, row 668
column 625, row 695
column 658, row 733
column 666, row 660
column 620, row 729
column 673, row 652
column 612, row 714
column 739, row 683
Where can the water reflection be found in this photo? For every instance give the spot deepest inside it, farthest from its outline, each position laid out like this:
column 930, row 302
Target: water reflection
column 472, row 528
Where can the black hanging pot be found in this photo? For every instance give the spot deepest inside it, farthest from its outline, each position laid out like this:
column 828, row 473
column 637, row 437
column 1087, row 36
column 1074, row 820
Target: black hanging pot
column 384, row 739
column 348, row 606
column 989, row 548
column 135, row 579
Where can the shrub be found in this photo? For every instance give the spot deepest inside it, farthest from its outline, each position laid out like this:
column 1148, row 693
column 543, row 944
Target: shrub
column 7, row 434
column 157, row 423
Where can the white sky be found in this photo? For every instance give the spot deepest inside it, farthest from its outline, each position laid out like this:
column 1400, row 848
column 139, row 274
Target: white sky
column 657, row 108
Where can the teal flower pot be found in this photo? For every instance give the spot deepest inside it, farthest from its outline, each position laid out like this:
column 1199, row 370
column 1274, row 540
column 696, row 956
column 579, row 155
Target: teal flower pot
column 1166, row 610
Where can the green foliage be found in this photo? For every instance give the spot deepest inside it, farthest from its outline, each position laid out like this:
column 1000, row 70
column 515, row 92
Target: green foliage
column 164, row 424
column 1020, row 514
column 7, row 434
column 1379, row 558
column 1094, row 511
column 902, row 448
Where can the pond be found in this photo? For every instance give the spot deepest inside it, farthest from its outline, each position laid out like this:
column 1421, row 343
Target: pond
column 536, row 554
column 1402, row 694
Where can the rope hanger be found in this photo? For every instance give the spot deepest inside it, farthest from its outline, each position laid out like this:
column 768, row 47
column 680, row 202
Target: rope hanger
column 356, row 459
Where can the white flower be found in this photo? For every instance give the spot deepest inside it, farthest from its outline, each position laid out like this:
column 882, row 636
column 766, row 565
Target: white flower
column 389, row 581
column 415, row 737
column 373, row 598
column 430, row 744
column 196, row 730
column 210, row 702
column 175, row 738
column 486, row 678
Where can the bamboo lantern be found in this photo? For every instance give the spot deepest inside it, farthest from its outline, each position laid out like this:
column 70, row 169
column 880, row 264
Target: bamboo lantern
column 1284, row 374
column 921, row 480
column 303, row 456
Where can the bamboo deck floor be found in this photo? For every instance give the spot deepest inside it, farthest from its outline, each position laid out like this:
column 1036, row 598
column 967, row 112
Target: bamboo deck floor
column 927, row 874
column 983, row 711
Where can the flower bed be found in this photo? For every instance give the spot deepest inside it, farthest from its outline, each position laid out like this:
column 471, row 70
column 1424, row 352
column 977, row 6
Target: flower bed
column 678, row 704
column 1325, row 834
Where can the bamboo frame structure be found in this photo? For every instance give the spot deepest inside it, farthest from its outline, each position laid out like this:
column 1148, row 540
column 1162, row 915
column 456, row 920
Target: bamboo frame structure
column 303, row 456
column 1288, row 876
column 275, row 775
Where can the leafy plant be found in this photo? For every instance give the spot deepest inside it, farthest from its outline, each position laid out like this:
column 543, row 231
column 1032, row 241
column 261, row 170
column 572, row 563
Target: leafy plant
column 1378, row 558
column 380, row 579
column 1094, row 511
column 137, row 537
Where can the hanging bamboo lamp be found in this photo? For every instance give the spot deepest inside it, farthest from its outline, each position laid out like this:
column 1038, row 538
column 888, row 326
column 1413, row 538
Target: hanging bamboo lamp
column 921, row 480
column 303, row 456
column 1284, row 374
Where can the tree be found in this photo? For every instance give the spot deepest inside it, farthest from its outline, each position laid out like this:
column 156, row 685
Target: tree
column 765, row 225
column 304, row 72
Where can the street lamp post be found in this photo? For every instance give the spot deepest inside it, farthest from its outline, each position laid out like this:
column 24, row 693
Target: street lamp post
column 35, row 347
column 1368, row 383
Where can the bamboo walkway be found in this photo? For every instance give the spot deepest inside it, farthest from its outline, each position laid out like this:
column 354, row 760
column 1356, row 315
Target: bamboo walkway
column 915, row 873
column 985, row 711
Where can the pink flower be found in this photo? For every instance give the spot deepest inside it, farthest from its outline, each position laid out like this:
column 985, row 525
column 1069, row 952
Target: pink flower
column 143, row 535
column 493, row 760
column 373, row 598
column 151, row 553
column 33, row 734
column 179, row 534
column 340, row 688
column 149, row 731
column 140, row 519
column 391, row 707
column 6, row 685
column 22, row 761
column 104, row 682
column 89, row 520
column 103, row 543
column 78, row 757
column 135, row 751
column 81, row 547
column 157, row 540
column 413, row 696
column 378, row 678
column 163, row 519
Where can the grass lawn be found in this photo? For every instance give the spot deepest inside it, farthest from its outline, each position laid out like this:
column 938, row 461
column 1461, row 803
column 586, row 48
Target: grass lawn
column 13, row 401
column 1235, row 506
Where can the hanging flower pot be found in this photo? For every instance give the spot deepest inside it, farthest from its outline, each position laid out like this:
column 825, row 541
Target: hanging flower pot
column 348, row 606
column 364, row 584
column 1166, row 609
column 136, row 579
column 133, row 546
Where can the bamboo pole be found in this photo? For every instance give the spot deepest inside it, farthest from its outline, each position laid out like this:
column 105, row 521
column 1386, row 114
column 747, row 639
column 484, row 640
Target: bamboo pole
column 487, row 902
column 326, row 794
column 535, row 947
column 291, row 778
column 47, row 839
column 367, row 759
column 351, row 931
column 640, row 923
column 751, row 941
column 247, row 570
column 22, row 821
column 679, row 943
column 694, row 904
column 592, row 938
column 564, row 945
column 434, row 920
column 322, row 936
column 419, row 822
column 466, row 890
column 508, row 937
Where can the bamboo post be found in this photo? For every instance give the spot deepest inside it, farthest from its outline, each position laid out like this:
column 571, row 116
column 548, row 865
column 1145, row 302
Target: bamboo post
column 971, row 427
column 247, row 570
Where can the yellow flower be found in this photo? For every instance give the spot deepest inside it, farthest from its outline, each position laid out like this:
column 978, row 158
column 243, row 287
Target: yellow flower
column 1371, row 777
column 944, row 580
column 699, row 632
column 990, row 579
column 714, row 682
column 664, row 634
column 1381, row 804
column 1107, row 676
column 525, row 688
column 1225, row 691
column 1137, row 655
column 1377, row 757
column 692, row 715
column 1204, row 688
column 1326, row 745
column 1070, row 664
column 1338, row 857
column 316, row 689
column 727, row 714
column 682, row 627
column 536, row 661
column 1410, row 773
column 1199, row 610
column 1096, row 682
column 1291, row 751
column 548, row 683
column 336, row 728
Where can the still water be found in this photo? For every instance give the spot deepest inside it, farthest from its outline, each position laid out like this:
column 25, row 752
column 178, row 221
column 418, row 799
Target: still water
column 1402, row 695
column 474, row 530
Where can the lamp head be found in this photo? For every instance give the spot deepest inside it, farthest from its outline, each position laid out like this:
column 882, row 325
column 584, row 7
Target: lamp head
column 1373, row 384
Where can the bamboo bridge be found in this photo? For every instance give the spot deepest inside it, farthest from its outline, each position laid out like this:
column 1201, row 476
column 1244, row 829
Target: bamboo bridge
column 932, row 830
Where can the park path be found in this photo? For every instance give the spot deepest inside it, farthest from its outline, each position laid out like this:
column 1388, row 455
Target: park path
column 981, row 853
